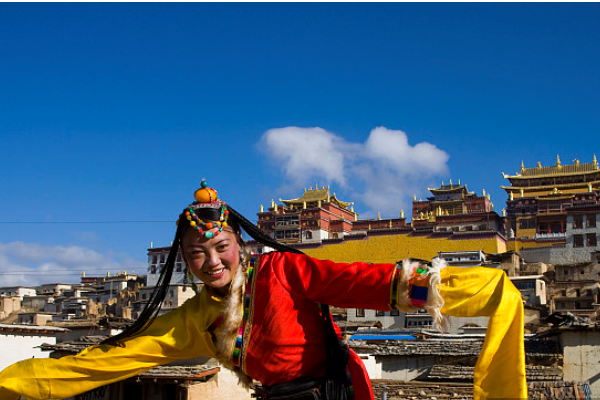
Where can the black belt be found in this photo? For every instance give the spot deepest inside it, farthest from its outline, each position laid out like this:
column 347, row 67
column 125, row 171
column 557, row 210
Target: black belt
column 298, row 389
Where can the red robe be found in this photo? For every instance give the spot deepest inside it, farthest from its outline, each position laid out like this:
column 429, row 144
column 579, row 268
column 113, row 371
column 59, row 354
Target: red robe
column 283, row 336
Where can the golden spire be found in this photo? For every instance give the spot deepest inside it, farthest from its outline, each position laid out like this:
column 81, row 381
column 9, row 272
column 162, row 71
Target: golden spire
column 595, row 162
column 261, row 208
column 414, row 197
column 378, row 216
column 402, row 214
column 558, row 161
column 522, row 166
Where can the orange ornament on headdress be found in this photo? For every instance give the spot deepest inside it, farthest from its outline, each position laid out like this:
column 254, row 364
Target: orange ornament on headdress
column 205, row 194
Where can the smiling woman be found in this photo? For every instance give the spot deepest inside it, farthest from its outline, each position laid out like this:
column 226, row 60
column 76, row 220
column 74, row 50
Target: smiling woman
column 260, row 316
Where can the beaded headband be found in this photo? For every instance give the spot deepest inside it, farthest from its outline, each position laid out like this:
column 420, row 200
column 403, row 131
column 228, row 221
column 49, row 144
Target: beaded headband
column 206, row 198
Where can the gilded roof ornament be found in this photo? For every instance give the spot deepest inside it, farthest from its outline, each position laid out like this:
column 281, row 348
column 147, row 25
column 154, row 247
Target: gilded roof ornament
column 558, row 161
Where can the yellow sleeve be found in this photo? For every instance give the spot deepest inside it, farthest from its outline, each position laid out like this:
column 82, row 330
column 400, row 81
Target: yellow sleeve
column 179, row 334
column 469, row 292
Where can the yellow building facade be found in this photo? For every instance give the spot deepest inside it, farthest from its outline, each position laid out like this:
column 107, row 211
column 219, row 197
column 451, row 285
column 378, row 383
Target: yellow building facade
column 393, row 247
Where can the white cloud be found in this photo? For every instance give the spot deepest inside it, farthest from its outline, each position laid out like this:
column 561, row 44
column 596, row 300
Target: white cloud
column 382, row 173
column 307, row 152
column 32, row 264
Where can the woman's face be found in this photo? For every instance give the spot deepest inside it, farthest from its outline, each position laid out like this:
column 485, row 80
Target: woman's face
column 214, row 261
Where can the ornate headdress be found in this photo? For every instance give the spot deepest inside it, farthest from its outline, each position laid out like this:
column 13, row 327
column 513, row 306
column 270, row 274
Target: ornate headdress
column 206, row 199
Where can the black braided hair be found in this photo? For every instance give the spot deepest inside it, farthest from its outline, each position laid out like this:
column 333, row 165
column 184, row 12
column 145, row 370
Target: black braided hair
column 259, row 235
column 154, row 304
column 152, row 308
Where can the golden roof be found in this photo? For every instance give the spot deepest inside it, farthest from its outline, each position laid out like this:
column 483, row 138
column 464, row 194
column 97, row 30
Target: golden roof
column 314, row 195
column 450, row 188
column 576, row 168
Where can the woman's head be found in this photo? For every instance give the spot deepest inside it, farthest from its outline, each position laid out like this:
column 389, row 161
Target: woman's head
column 213, row 260
column 211, row 241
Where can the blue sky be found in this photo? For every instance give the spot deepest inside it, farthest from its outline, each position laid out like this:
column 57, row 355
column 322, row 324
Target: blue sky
column 111, row 114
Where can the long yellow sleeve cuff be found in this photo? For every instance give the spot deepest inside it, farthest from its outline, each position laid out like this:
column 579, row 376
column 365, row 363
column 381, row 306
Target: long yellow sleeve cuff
column 469, row 292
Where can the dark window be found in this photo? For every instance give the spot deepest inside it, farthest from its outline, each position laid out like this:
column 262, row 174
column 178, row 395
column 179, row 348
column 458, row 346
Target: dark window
column 360, row 312
column 577, row 240
column 379, row 313
column 590, row 220
column 591, row 239
column 395, row 313
column 577, row 221
column 556, row 227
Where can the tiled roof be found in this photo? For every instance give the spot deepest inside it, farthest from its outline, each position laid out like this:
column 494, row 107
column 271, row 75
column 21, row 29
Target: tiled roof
column 448, row 347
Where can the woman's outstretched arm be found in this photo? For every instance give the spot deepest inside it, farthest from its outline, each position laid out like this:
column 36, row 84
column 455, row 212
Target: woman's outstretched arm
column 176, row 335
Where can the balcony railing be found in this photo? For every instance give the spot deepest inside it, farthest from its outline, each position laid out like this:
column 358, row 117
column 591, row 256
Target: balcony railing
column 558, row 235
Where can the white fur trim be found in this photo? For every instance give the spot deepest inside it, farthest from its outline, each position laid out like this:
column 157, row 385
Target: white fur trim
column 232, row 321
column 435, row 302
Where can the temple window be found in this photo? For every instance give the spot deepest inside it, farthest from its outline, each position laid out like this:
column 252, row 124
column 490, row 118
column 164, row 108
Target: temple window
column 591, row 239
column 379, row 313
column 577, row 240
column 590, row 220
column 556, row 227
column 360, row 312
column 577, row 221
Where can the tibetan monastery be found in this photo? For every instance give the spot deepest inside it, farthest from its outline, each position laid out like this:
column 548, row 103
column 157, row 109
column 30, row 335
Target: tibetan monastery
column 325, row 227
column 541, row 198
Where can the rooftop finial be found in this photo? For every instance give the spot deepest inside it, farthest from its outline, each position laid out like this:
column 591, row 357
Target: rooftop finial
column 558, row 161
